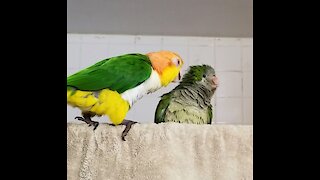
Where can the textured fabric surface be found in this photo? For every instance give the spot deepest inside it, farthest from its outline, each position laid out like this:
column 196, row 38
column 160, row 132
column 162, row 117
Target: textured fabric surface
column 160, row 151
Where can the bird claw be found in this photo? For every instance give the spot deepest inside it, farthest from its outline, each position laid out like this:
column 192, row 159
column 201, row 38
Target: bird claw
column 95, row 124
column 79, row 118
column 128, row 125
column 88, row 121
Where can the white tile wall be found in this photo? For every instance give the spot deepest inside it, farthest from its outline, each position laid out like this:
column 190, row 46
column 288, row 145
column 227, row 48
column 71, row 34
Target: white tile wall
column 71, row 71
column 201, row 54
column 248, row 110
column 246, row 41
column 121, row 39
column 228, row 58
column 148, row 40
column 247, row 84
column 144, row 109
column 230, row 84
column 175, row 40
column 72, row 113
column 231, row 57
column 119, row 49
column 92, row 53
column 146, row 48
column 75, row 38
column 73, row 55
column 247, row 58
column 229, row 110
column 201, row 41
column 232, row 41
column 96, row 38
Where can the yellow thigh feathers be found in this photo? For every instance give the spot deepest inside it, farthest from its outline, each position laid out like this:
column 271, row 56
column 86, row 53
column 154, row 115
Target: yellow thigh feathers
column 108, row 103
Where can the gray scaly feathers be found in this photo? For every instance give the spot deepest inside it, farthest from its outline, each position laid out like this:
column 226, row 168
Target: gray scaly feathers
column 190, row 101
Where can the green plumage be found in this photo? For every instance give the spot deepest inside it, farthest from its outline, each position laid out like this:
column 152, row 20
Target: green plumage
column 116, row 73
column 190, row 101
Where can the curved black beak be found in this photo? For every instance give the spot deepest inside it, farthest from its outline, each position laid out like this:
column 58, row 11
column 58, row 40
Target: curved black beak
column 178, row 78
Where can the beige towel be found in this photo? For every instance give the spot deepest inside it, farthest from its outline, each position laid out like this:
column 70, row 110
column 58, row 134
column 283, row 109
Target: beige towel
column 168, row 151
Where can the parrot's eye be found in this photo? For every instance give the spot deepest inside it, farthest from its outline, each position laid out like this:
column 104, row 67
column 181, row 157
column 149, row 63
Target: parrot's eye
column 176, row 61
column 204, row 75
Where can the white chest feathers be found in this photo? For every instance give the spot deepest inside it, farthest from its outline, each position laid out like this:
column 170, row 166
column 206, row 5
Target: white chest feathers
column 150, row 85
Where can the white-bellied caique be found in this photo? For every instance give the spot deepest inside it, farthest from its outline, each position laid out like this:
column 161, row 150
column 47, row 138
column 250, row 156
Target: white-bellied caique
column 110, row 87
column 190, row 101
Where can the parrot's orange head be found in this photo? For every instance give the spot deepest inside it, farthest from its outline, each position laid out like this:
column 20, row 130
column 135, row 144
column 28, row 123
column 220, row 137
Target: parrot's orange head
column 167, row 64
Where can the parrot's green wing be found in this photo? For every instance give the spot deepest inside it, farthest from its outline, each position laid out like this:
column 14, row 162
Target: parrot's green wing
column 117, row 73
column 162, row 107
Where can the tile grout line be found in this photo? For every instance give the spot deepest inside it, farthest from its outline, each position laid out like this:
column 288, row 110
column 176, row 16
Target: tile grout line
column 242, row 83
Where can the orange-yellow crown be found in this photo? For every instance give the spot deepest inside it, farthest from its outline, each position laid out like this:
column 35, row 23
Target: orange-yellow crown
column 162, row 59
column 167, row 64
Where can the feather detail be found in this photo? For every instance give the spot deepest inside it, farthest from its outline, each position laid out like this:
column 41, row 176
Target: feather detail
column 150, row 85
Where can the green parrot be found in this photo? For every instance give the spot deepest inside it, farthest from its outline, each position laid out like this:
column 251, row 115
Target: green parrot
column 190, row 101
column 111, row 87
